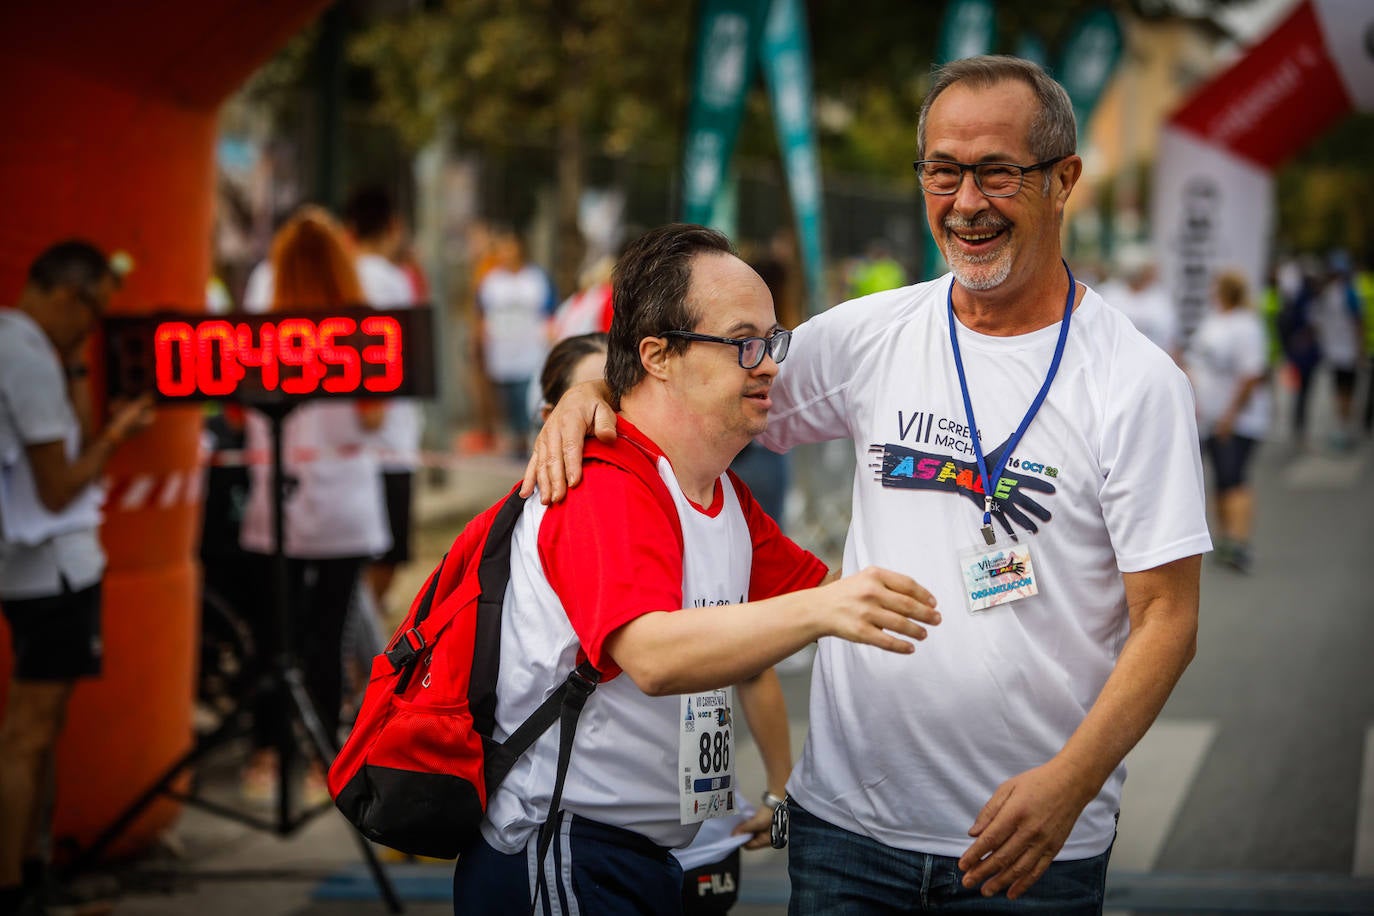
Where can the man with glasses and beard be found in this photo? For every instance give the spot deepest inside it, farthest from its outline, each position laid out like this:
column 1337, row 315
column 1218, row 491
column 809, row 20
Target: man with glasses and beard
column 1032, row 459
column 51, row 561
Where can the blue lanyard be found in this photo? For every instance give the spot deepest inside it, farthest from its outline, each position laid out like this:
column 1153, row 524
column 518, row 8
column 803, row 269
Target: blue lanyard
column 989, row 504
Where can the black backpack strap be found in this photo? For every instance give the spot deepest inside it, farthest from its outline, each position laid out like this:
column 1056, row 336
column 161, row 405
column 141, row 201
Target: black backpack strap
column 579, row 685
column 493, row 575
column 409, row 644
column 574, row 694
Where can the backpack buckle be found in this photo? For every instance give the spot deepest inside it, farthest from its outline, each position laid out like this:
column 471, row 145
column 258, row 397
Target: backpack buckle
column 584, row 679
column 405, row 651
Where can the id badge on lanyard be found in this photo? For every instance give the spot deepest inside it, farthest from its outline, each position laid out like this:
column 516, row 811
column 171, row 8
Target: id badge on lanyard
column 706, row 765
column 996, row 575
column 991, row 574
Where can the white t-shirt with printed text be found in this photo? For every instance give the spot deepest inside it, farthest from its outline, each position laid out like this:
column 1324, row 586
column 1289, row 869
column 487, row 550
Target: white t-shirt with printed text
column 908, row 748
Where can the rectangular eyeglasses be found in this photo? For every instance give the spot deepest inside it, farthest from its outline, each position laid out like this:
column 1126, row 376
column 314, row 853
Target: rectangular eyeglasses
column 751, row 349
column 994, row 179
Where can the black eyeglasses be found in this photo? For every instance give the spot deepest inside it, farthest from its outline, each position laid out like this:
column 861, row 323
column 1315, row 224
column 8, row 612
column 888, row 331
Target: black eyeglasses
column 751, row 349
column 994, row 179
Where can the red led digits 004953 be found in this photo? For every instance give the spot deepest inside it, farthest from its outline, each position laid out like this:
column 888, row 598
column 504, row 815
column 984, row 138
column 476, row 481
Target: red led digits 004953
column 364, row 353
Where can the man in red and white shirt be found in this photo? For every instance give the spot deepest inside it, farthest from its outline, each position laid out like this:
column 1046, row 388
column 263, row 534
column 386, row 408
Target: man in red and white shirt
column 671, row 591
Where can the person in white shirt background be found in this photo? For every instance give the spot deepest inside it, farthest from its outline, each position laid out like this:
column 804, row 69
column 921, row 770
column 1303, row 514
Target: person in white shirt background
column 1137, row 292
column 378, row 233
column 335, row 511
column 1338, row 318
column 375, row 236
column 52, row 564
column 515, row 301
column 1227, row 361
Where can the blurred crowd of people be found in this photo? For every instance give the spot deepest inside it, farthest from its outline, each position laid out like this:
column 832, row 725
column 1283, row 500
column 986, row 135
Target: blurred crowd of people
column 1310, row 322
column 1320, row 313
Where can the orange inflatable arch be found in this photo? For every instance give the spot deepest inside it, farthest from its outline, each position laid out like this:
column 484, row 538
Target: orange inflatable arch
column 110, row 124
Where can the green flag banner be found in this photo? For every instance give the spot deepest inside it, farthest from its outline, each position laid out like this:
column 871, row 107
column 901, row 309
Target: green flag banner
column 727, row 34
column 786, row 59
column 968, row 29
column 1090, row 55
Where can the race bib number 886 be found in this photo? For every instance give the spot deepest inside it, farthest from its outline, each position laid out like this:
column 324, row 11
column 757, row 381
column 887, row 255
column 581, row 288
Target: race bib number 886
column 705, row 751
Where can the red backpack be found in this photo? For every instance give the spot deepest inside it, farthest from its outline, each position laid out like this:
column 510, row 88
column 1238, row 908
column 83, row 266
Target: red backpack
column 420, row 763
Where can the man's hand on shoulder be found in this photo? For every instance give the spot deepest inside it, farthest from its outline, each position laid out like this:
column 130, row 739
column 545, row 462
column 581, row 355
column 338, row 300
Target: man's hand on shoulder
column 556, row 463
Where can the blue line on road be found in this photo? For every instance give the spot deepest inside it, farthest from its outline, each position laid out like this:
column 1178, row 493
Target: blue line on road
column 1157, row 892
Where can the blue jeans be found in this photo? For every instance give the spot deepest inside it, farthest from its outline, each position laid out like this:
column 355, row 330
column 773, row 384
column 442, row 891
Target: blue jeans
column 838, row 873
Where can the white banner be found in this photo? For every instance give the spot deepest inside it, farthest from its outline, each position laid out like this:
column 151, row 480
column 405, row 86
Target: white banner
column 1211, row 211
column 1213, row 206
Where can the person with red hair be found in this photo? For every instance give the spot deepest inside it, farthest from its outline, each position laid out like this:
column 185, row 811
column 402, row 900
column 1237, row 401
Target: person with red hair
column 334, row 512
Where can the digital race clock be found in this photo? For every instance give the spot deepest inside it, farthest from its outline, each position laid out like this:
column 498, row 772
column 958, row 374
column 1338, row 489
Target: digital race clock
column 348, row 352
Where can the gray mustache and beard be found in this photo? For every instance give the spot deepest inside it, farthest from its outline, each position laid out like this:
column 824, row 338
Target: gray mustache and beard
column 978, row 272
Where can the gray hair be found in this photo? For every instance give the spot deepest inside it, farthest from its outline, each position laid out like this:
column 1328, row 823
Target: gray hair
column 1053, row 132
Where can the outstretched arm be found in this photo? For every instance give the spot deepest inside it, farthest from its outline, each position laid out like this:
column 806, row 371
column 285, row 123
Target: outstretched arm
column 1025, row 824
column 701, row 648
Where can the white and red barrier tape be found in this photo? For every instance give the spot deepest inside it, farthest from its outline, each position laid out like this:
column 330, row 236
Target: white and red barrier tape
column 154, row 491
column 169, row 489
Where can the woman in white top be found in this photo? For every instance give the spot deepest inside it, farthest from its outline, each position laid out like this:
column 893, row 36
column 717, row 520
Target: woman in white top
column 334, row 511
column 1227, row 363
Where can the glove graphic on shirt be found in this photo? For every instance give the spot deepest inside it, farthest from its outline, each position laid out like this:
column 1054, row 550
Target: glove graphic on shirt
column 900, row 467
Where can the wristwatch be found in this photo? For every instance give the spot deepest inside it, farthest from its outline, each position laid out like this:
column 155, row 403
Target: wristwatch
column 781, row 825
column 772, row 801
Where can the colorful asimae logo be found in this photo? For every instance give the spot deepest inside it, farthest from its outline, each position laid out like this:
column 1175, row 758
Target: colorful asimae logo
column 1011, row 565
column 899, row 467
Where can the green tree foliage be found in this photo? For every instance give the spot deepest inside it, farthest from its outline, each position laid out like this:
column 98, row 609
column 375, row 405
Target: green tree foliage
column 516, row 71
column 581, row 76
column 610, row 76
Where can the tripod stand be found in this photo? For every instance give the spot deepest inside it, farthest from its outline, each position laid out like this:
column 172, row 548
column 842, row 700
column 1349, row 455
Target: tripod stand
column 282, row 676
